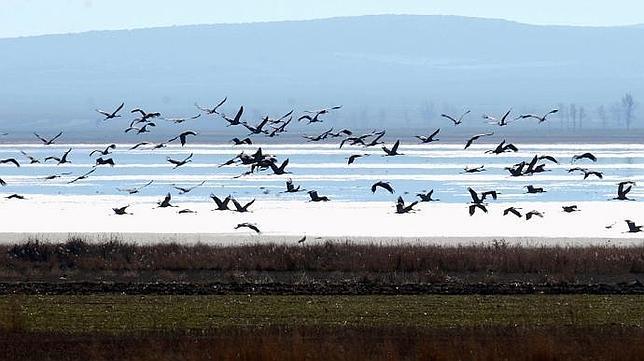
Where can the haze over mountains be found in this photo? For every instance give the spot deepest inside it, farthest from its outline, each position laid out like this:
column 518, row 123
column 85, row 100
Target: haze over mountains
column 394, row 71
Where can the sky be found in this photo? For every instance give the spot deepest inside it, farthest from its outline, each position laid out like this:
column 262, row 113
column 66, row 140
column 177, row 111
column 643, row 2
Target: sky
column 37, row 17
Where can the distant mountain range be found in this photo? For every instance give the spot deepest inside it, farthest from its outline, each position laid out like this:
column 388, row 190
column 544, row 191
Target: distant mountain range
column 396, row 71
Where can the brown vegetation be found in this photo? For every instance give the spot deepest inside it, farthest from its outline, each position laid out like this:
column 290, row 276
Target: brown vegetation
column 420, row 263
column 535, row 344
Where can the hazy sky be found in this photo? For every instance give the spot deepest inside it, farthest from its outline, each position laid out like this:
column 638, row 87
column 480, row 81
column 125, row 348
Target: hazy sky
column 32, row 17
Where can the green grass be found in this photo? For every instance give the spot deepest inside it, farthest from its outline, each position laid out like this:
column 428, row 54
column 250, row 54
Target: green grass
column 121, row 314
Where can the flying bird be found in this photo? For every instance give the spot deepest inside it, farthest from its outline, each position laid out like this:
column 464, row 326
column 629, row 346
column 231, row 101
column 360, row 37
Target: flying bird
column 121, row 210
column 141, row 130
column 210, row 111
column 587, row 173
column 427, row 197
column 236, row 120
column 15, row 196
column 478, row 169
column 531, row 214
column 84, row 176
column 317, row 198
column 532, row 189
column 165, row 202
column 352, row 158
column 181, row 120
column 134, row 190
column 46, row 141
column 184, row 190
column 10, row 160
column 238, row 141
column 222, row 205
column 279, row 170
column 500, row 122
column 139, row 145
column 145, row 116
column 179, row 163
column 186, row 211
column 32, row 160
column 384, row 185
column 584, row 156
column 113, row 114
column 61, row 160
column 105, row 151
column 108, row 161
column 502, row 148
column 622, row 190
column 393, row 151
column 541, row 119
column 570, row 209
column 513, row 210
column 456, row 121
column 401, row 208
column 476, row 137
column 632, row 228
column 54, row 176
column 239, row 207
column 249, row 226
column 182, row 137
column 430, row 138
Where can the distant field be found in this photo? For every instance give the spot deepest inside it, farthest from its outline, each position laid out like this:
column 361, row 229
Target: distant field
column 536, row 327
column 118, row 314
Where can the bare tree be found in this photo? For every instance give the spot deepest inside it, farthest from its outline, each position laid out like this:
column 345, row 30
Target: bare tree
column 573, row 115
column 581, row 115
column 628, row 107
column 601, row 114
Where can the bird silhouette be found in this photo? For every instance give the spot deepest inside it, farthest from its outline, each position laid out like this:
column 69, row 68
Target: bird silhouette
column 401, row 208
column 222, row 205
column 430, row 138
column 427, row 197
column 182, row 137
column 622, row 190
column 113, row 114
column 317, row 198
column 213, row 110
column 240, row 208
column 589, row 156
column 393, row 151
column 476, row 137
column 165, row 202
column 46, row 141
column 384, row 185
column 136, row 189
column 179, row 163
column 184, row 190
column 513, row 210
column 541, row 119
column 632, row 228
column 249, row 226
column 454, row 120
column 121, row 210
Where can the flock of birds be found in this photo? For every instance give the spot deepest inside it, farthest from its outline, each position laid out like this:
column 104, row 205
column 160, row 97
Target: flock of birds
column 260, row 161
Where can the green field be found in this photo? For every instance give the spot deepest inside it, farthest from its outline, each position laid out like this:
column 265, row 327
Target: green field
column 116, row 314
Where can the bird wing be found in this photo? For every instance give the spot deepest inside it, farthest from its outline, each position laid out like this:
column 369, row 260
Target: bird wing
column 41, row 138
column 237, row 205
column 119, row 108
column 474, row 195
column 450, row 118
column 435, row 133
column 394, row 149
